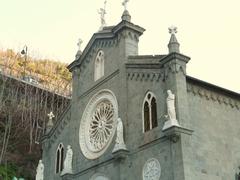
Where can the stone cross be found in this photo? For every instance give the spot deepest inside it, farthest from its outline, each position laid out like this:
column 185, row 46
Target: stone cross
column 172, row 30
column 51, row 116
column 124, row 3
column 80, row 41
column 102, row 12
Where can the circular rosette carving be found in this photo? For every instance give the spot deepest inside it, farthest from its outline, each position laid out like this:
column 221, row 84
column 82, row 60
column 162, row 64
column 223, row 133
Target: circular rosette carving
column 101, row 126
column 152, row 170
column 98, row 124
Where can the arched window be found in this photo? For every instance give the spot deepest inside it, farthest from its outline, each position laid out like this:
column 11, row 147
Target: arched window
column 99, row 65
column 149, row 112
column 59, row 158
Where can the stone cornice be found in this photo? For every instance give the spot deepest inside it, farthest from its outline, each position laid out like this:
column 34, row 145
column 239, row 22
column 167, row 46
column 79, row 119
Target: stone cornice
column 126, row 24
column 145, row 76
column 174, row 55
column 142, row 65
column 213, row 96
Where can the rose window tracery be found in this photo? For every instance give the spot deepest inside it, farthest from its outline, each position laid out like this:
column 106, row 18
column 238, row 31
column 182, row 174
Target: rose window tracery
column 151, row 170
column 98, row 124
column 101, row 125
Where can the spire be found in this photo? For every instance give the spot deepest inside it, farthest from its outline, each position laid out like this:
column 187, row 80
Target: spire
column 79, row 52
column 173, row 44
column 126, row 16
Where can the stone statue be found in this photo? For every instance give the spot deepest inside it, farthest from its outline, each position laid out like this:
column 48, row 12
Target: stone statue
column 80, row 41
column 40, row 170
column 119, row 142
column 171, row 105
column 171, row 112
column 67, row 166
column 124, row 3
column 102, row 12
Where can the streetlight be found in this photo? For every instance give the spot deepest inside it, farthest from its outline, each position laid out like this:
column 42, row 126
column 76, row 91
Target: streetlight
column 24, row 52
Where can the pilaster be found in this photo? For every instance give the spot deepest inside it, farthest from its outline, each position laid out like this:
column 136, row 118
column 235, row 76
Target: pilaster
column 174, row 66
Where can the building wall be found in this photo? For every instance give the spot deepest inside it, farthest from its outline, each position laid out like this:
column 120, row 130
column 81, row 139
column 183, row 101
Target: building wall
column 215, row 143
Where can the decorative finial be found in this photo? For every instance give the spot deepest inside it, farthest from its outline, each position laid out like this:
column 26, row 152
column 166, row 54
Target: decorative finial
column 173, row 45
column 102, row 12
column 172, row 30
column 126, row 16
column 80, row 41
column 124, row 3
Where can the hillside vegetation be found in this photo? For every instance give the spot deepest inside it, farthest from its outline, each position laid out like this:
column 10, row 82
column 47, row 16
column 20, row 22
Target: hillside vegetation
column 24, row 105
column 48, row 73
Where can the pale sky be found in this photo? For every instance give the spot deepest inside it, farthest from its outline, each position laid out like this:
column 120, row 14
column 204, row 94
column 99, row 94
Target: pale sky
column 208, row 30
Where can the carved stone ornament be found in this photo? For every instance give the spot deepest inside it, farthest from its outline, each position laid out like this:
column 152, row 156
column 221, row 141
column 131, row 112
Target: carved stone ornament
column 67, row 166
column 98, row 124
column 40, row 170
column 119, row 142
column 151, row 170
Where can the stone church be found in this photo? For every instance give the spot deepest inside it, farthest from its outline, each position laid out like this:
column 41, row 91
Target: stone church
column 140, row 117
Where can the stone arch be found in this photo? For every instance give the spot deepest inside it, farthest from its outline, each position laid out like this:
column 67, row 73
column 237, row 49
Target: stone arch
column 59, row 158
column 99, row 65
column 149, row 112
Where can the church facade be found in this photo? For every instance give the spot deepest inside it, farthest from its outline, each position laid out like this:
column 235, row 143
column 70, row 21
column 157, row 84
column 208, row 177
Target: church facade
column 135, row 117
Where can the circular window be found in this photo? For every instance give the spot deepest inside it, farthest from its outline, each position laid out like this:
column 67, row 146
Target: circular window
column 151, row 170
column 98, row 124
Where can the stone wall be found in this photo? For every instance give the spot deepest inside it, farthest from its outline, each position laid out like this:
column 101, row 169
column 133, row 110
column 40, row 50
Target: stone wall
column 215, row 143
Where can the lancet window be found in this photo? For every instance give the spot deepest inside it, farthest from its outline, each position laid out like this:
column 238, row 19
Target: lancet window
column 99, row 65
column 59, row 158
column 149, row 112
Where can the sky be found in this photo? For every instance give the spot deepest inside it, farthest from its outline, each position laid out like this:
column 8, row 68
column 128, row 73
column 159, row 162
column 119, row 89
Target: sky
column 208, row 31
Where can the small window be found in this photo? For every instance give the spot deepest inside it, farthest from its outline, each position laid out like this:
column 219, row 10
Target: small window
column 99, row 66
column 149, row 112
column 59, row 158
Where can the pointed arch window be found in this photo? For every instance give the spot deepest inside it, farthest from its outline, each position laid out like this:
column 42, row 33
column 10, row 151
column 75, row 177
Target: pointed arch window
column 149, row 112
column 99, row 65
column 59, row 158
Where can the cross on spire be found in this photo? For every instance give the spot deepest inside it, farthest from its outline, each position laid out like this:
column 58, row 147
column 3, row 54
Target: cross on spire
column 172, row 30
column 51, row 115
column 124, row 3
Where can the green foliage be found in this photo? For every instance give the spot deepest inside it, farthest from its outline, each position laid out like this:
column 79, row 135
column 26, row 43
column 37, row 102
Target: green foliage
column 7, row 172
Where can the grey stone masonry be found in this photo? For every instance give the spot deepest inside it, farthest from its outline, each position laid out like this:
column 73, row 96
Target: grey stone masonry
column 205, row 145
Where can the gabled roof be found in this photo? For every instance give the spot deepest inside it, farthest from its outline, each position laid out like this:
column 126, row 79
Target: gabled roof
column 107, row 33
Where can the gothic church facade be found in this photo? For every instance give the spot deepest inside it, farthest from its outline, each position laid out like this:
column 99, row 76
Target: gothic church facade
column 118, row 126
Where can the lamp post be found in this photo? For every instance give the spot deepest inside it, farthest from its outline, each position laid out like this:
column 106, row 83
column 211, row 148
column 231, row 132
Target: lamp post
column 24, row 52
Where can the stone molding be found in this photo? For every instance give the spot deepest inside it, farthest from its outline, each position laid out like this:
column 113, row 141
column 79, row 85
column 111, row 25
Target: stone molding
column 95, row 86
column 173, row 67
column 145, row 76
column 128, row 34
column 99, row 44
column 213, row 96
column 176, row 56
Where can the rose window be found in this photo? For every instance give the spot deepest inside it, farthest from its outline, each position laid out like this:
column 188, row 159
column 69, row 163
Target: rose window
column 151, row 170
column 101, row 125
column 98, row 124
